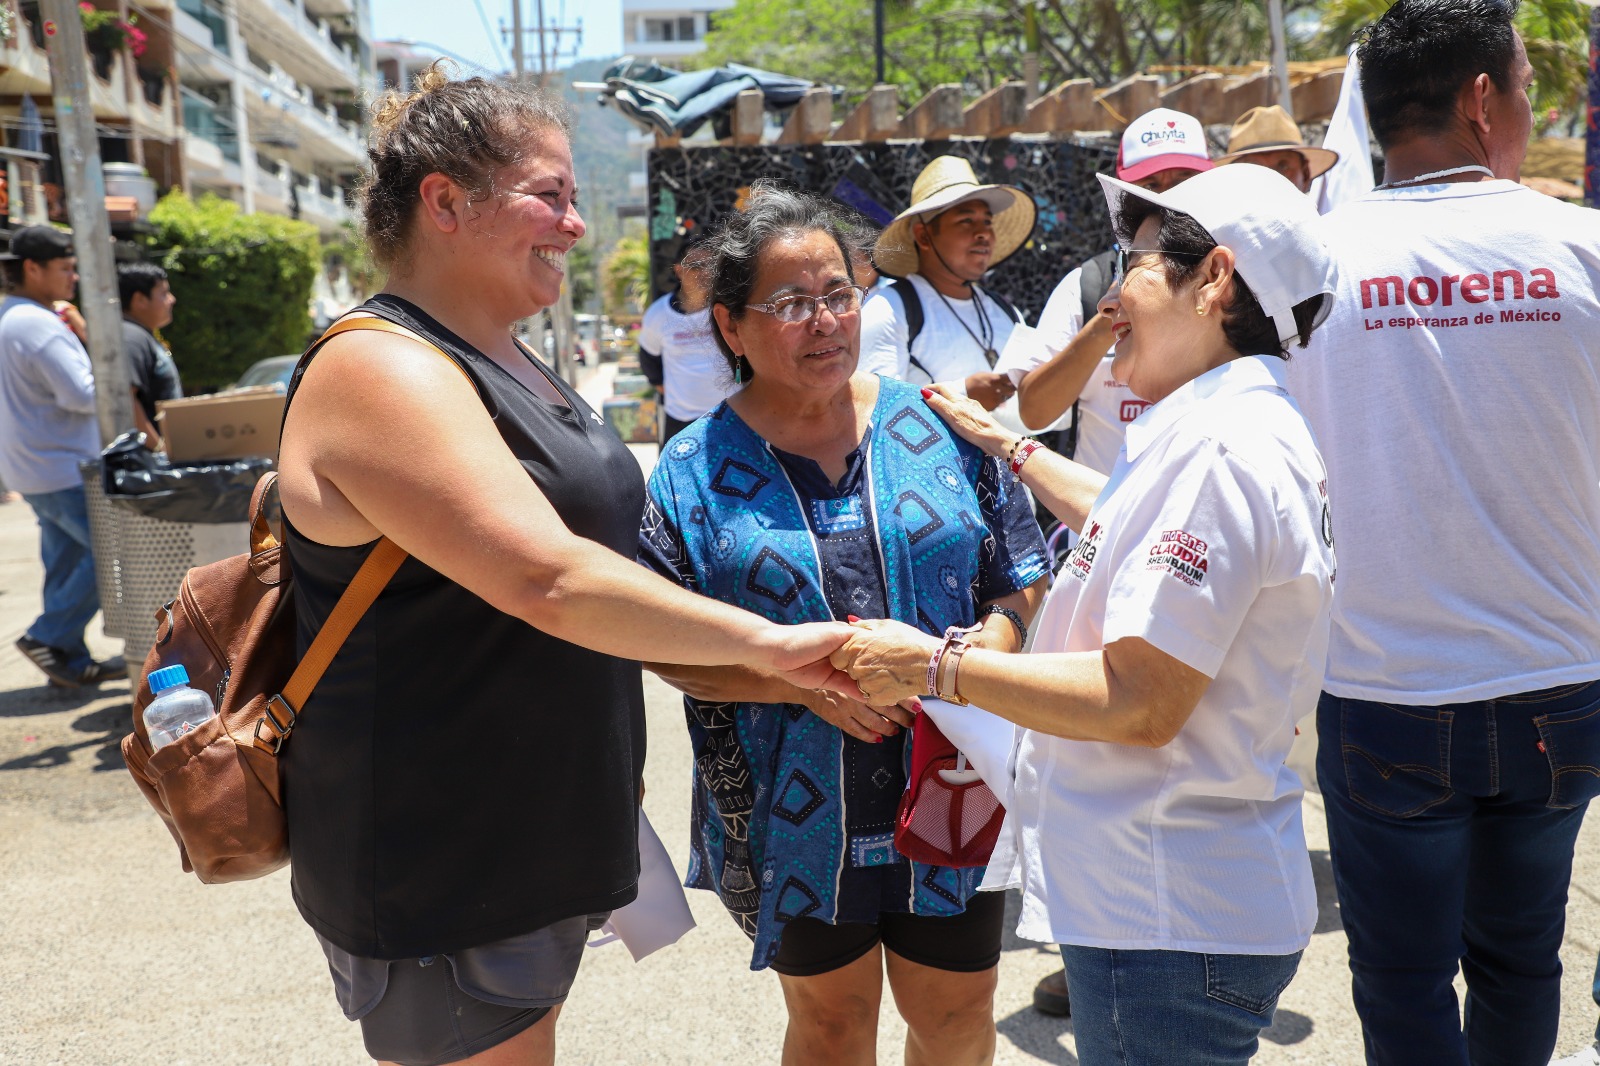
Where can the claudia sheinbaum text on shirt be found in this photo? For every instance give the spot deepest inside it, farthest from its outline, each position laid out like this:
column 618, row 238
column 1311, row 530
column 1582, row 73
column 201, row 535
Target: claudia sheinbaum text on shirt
column 1476, row 302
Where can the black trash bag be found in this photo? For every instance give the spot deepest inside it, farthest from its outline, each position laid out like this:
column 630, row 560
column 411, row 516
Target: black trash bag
column 147, row 483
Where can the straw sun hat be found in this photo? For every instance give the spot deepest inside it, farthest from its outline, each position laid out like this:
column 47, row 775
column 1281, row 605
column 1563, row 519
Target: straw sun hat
column 1270, row 129
column 945, row 182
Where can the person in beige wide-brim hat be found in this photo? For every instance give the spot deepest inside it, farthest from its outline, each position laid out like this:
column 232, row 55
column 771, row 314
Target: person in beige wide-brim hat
column 945, row 182
column 936, row 324
column 1268, row 137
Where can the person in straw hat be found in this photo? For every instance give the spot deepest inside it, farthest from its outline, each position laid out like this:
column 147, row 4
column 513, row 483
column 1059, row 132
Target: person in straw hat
column 1268, row 137
column 936, row 324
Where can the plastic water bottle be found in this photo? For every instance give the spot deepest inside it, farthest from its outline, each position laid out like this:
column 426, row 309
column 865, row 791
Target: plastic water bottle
column 177, row 708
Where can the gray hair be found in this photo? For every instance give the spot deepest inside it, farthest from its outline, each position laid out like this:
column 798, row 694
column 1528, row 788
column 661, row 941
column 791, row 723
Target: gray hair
column 731, row 254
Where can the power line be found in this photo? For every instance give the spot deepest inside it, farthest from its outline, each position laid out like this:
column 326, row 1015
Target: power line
column 494, row 38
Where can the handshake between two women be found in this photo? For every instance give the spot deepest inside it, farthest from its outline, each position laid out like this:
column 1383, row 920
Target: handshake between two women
column 872, row 682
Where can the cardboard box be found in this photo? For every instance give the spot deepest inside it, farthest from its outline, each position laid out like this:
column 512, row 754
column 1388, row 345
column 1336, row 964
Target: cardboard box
column 224, row 425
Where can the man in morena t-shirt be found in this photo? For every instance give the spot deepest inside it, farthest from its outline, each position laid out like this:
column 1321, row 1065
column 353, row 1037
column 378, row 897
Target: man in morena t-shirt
column 1455, row 393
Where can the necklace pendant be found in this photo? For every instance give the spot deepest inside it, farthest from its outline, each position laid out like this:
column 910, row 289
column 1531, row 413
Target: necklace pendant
column 991, row 357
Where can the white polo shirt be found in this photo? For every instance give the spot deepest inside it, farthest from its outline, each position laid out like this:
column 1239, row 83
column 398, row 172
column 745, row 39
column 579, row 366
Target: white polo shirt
column 1209, row 542
column 1105, row 406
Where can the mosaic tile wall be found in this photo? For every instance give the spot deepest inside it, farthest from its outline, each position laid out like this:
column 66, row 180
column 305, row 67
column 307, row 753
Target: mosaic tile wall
column 695, row 187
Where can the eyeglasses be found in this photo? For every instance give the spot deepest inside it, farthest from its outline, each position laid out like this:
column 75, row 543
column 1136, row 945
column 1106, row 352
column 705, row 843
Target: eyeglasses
column 792, row 309
column 1125, row 255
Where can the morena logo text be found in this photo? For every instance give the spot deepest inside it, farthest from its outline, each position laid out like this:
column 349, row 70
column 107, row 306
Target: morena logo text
column 1448, row 289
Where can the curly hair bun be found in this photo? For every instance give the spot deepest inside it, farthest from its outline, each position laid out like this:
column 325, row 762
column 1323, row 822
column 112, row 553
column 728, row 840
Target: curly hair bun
column 467, row 129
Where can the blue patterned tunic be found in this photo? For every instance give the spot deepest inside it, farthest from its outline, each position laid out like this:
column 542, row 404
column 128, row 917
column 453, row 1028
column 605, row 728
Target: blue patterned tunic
column 792, row 817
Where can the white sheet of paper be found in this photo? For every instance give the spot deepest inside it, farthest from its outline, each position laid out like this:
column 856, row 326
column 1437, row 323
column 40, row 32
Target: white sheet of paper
column 985, row 739
column 1018, row 350
column 660, row 915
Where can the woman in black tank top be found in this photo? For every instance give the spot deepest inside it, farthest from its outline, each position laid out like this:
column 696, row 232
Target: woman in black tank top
column 464, row 780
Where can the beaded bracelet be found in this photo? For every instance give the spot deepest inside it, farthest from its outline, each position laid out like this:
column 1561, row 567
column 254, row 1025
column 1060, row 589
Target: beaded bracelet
column 1012, row 616
column 1026, row 448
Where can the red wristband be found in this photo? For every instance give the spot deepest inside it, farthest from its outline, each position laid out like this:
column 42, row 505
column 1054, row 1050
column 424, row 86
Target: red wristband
column 1027, row 448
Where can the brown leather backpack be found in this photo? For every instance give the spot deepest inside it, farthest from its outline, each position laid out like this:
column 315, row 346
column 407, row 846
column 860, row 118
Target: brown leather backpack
column 232, row 627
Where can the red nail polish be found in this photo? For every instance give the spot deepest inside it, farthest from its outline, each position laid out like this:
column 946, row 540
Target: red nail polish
column 927, row 394
column 877, row 738
column 851, row 618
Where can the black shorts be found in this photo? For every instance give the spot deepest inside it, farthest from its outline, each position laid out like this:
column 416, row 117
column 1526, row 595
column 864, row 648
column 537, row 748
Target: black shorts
column 968, row 942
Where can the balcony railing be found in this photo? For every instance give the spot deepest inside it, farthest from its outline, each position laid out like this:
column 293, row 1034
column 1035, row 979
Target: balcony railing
column 209, row 15
column 203, row 118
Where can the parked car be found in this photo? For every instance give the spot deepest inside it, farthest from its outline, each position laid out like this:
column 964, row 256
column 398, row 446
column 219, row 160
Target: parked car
column 275, row 370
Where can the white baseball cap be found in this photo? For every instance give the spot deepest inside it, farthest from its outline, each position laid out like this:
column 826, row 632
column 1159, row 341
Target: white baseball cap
column 1271, row 227
column 1162, row 139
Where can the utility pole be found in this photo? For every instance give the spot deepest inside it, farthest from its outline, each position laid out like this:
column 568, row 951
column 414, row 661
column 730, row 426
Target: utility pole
column 544, row 66
column 86, row 208
column 1280, row 54
column 877, row 40
column 517, row 60
column 1030, row 51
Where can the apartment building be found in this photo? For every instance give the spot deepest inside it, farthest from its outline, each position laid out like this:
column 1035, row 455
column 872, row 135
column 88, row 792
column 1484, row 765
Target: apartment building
column 659, row 30
column 272, row 93
column 259, row 101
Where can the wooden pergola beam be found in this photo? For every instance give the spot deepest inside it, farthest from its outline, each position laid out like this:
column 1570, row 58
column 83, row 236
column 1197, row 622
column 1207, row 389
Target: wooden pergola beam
column 1200, row 96
column 937, row 116
column 749, row 117
column 812, row 119
column 1069, row 106
column 1127, row 100
column 1257, row 90
column 1316, row 97
column 876, row 117
column 1000, row 112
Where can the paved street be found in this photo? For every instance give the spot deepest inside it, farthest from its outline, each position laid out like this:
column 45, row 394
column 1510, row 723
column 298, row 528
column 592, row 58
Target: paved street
column 110, row 954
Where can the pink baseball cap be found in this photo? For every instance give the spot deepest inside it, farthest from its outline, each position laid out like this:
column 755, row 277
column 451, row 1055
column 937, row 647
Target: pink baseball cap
column 1162, row 139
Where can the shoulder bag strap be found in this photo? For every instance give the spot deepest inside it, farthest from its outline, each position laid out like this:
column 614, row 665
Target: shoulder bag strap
column 283, row 709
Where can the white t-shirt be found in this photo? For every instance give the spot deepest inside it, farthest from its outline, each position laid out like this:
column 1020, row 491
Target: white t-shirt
column 1207, row 542
column 694, row 375
column 1455, row 390
column 944, row 350
column 1105, row 406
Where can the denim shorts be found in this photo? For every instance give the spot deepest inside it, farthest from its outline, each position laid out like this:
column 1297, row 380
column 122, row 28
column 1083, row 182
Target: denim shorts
column 445, row 1008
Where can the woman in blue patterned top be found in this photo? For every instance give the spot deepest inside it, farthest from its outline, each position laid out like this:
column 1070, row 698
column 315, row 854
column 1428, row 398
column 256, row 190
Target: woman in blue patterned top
column 818, row 493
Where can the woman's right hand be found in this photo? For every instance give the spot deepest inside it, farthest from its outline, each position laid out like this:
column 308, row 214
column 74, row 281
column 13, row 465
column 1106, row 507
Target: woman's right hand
column 870, row 724
column 800, row 655
column 969, row 420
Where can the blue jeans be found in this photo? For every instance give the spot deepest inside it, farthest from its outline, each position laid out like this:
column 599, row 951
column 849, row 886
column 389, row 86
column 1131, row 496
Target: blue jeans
column 1171, row 1008
column 71, row 596
column 1451, row 830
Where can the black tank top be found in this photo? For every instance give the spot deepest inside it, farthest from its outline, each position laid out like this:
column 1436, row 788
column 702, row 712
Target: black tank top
column 458, row 776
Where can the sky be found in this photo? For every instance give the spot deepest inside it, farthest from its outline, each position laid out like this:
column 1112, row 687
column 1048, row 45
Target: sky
column 471, row 28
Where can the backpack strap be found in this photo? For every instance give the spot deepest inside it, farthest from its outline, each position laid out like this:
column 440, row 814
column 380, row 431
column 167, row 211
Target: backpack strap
column 283, row 710
column 914, row 318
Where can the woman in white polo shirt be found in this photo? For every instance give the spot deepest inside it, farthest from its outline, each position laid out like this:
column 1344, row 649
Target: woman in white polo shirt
column 1156, row 824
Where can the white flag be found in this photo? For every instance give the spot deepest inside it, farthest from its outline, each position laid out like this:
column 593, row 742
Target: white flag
column 1351, row 176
